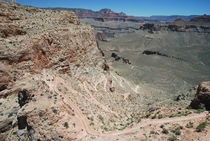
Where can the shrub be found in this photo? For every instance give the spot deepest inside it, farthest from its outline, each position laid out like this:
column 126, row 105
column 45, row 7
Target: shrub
column 91, row 124
column 160, row 116
column 100, row 117
column 165, row 131
column 177, row 131
column 172, row 138
column 189, row 125
column 152, row 132
column 201, row 127
column 41, row 113
column 10, row 115
column 161, row 126
column 200, row 111
column 66, row 125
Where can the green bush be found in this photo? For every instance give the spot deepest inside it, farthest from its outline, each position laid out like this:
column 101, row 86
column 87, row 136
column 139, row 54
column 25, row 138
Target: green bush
column 189, row 125
column 201, row 127
column 172, row 138
column 66, row 125
column 177, row 131
column 10, row 115
column 160, row 116
column 91, row 124
column 200, row 111
column 161, row 126
column 152, row 132
column 165, row 131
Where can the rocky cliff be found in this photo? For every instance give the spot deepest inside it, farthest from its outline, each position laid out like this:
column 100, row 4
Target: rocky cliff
column 56, row 85
column 205, row 19
column 177, row 26
column 54, row 82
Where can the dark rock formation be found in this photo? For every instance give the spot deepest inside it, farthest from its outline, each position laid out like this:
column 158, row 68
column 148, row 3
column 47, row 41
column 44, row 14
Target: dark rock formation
column 175, row 27
column 149, row 26
column 118, row 58
column 22, row 122
column 148, row 52
column 23, row 97
column 202, row 97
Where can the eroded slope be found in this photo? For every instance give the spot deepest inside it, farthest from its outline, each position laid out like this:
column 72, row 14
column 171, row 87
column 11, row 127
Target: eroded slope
column 55, row 84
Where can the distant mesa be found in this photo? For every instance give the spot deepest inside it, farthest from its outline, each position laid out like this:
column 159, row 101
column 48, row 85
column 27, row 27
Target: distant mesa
column 201, row 19
column 107, row 14
column 103, row 15
column 179, row 21
column 106, row 11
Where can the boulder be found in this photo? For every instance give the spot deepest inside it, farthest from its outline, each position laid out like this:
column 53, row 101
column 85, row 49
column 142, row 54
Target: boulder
column 202, row 97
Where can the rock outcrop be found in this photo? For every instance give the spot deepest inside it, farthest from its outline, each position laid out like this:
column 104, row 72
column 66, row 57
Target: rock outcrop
column 202, row 97
column 118, row 58
column 179, row 22
column 101, row 36
column 201, row 19
column 178, row 26
column 149, row 52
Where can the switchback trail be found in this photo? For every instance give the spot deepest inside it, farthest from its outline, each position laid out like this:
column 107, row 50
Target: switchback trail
column 53, row 85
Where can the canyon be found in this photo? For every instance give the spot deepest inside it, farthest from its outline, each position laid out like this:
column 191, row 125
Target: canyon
column 115, row 78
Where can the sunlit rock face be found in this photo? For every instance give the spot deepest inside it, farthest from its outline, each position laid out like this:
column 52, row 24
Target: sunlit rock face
column 202, row 97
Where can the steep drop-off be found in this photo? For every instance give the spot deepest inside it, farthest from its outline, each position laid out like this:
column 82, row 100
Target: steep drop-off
column 55, row 84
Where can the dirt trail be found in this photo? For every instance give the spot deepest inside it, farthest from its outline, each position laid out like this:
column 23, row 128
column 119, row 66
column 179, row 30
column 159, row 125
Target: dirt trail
column 92, row 98
column 53, row 85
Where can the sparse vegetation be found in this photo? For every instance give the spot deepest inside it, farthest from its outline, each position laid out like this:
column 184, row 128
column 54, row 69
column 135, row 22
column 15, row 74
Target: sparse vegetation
column 55, row 111
column 201, row 127
column 177, row 131
column 201, row 108
column 101, row 118
column 66, row 125
column 91, row 124
column 189, row 125
column 161, row 126
column 56, row 52
column 165, row 131
column 41, row 113
column 10, row 115
column 152, row 132
column 172, row 138
column 200, row 111
column 160, row 116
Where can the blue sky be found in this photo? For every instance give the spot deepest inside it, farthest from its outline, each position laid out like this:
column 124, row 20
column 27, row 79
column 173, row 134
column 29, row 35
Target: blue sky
column 131, row 7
